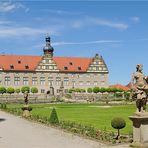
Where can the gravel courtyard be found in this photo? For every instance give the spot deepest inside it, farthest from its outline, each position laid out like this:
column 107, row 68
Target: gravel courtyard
column 16, row 132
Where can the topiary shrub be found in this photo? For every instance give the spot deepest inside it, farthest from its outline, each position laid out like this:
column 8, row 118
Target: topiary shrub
column 89, row 90
column 2, row 90
column 34, row 90
column 17, row 90
column 53, row 117
column 10, row 90
column 118, row 123
column 96, row 89
column 25, row 88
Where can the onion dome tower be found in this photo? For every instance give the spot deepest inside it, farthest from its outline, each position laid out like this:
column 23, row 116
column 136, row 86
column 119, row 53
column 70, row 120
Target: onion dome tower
column 48, row 49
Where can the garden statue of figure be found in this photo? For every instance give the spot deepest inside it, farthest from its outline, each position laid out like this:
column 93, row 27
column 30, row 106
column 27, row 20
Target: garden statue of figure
column 26, row 97
column 140, row 88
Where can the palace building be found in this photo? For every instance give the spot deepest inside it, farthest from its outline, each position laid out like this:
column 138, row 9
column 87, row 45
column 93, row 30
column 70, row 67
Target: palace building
column 49, row 71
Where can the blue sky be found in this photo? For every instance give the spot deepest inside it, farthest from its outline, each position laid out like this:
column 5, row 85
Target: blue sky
column 116, row 30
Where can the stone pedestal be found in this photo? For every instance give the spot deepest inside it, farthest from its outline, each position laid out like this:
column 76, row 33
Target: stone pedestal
column 26, row 111
column 140, row 130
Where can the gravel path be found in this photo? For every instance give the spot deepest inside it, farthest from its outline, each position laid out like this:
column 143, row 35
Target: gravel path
column 16, row 132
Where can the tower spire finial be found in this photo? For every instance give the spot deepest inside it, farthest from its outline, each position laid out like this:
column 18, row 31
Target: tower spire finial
column 48, row 49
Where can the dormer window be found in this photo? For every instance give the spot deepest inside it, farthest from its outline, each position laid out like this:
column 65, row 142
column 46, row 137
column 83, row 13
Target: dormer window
column 26, row 67
column 65, row 68
column 79, row 68
column 11, row 66
column 19, row 61
column 70, row 63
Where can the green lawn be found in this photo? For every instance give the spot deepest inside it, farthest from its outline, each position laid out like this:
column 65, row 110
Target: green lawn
column 90, row 114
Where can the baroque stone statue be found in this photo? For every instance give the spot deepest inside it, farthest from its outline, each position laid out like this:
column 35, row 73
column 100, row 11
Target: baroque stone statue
column 26, row 98
column 140, row 88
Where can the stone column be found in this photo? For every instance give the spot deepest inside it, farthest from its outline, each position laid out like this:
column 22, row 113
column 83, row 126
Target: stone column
column 140, row 130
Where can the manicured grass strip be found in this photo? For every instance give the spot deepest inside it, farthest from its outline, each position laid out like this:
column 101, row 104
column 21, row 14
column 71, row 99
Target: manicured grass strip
column 88, row 114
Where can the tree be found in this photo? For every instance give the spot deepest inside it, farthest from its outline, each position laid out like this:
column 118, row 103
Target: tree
column 25, row 88
column 89, row 90
column 54, row 117
column 77, row 90
column 17, row 90
column 2, row 90
column 102, row 90
column 82, row 90
column 118, row 123
column 34, row 90
column 96, row 89
column 10, row 90
column 71, row 90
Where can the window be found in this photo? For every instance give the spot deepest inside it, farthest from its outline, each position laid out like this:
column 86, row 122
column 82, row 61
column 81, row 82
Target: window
column 25, row 80
column 26, row 67
column 16, row 80
column 65, row 68
column 34, row 81
column 50, row 80
column 11, row 66
column 73, row 83
column 81, row 83
column 95, row 83
column 97, row 68
column 79, row 68
column 70, row 63
column 7, row 80
column 97, row 62
column 42, row 91
column 102, row 82
column 19, row 61
column 66, row 79
column 58, row 80
column 88, row 83
column 42, row 80
column 47, row 67
column 46, row 61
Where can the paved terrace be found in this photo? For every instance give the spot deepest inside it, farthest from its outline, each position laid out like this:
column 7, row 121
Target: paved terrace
column 16, row 132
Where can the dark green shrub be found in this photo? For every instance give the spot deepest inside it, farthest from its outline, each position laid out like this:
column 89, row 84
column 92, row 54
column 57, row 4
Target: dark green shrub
column 82, row 90
column 2, row 90
column 34, row 90
column 54, row 117
column 118, row 123
column 17, row 90
column 96, row 89
column 25, row 88
column 10, row 90
column 89, row 90
column 71, row 90
column 102, row 90
column 77, row 90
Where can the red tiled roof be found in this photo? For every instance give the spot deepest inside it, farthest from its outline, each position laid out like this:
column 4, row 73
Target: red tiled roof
column 120, row 86
column 73, row 64
column 13, row 60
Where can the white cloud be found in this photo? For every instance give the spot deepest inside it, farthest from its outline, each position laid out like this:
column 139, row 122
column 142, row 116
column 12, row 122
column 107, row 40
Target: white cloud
column 2, row 22
column 85, row 43
column 135, row 19
column 23, row 31
column 10, row 7
column 99, row 22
